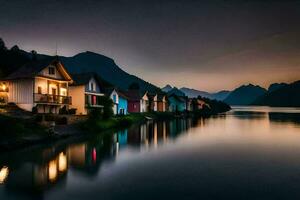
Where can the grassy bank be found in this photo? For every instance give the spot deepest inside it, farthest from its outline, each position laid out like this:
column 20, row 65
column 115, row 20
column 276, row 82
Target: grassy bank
column 17, row 132
column 117, row 122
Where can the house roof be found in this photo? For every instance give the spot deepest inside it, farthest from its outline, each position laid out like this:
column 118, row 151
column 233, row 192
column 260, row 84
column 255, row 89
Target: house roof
column 179, row 98
column 31, row 69
column 109, row 90
column 134, row 95
column 84, row 78
column 160, row 97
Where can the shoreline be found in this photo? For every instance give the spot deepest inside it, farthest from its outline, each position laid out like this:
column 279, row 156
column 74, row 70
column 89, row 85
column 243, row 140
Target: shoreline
column 84, row 128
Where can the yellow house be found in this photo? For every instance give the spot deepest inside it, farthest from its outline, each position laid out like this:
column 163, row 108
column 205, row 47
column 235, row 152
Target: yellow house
column 86, row 91
column 42, row 85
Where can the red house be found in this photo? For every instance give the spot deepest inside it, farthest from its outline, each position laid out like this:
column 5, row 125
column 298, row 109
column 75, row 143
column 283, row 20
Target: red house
column 137, row 101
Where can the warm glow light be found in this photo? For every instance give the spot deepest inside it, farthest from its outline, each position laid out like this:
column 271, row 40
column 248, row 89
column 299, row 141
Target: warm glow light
column 3, row 174
column 3, row 87
column 52, row 170
column 62, row 162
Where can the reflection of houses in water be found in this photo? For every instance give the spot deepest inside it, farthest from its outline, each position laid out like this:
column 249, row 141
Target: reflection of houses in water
column 32, row 176
column 119, row 140
column 154, row 133
column 4, row 171
column 88, row 157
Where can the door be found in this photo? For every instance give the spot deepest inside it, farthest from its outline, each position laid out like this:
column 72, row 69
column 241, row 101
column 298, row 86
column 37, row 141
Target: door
column 54, row 94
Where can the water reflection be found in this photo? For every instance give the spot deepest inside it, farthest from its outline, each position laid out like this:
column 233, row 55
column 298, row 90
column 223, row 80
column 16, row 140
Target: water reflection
column 3, row 174
column 38, row 171
column 51, row 165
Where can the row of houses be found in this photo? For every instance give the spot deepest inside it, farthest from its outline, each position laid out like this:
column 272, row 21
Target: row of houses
column 46, row 87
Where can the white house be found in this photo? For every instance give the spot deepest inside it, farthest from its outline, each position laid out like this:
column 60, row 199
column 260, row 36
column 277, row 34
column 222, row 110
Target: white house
column 86, row 91
column 43, row 85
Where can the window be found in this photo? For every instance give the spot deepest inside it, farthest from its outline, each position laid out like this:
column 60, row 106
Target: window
column 39, row 90
column 51, row 70
column 115, row 98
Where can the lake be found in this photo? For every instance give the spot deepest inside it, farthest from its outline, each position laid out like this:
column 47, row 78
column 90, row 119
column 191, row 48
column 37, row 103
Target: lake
column 247, row 153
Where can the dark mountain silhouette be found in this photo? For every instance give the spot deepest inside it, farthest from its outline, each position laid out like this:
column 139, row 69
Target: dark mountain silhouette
column 106, row 68
column 192, row 93
column 167, row 88
column 11, row 59
column 245, row 95
column 286, row 96
column 276, row 86
column 176, row 91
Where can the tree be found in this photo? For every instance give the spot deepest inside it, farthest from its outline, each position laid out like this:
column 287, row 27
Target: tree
column 134, row 86
column 15, row 48
column 2, row 45
column 33, row 55
column 107, row 106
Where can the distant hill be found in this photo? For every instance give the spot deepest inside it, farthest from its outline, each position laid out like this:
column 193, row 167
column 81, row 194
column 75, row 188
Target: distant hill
column 106, row 68
column 167, row 88
column 276, row 86
column 245, row 95
column 287, row 95
column 12, row 59
column 176, row 91
column 193, row 93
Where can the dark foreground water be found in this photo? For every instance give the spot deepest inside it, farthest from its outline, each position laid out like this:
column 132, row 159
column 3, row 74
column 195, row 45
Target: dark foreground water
column 248, row 153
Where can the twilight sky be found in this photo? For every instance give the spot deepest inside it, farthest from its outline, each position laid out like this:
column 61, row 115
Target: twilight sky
column 207, row 45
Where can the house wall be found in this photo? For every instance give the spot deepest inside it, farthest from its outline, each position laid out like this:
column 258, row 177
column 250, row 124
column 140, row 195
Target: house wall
column 78, row 99
column 88, row 87
column 174, row 103
column 133, row 106
column 45, row 73
column 155, row 107
column 21, row 93
column 122, row 105
column 144, row 103
column 161, row 106
column 115, row 98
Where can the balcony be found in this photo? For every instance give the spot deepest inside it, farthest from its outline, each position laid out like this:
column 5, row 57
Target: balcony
column 52, row 99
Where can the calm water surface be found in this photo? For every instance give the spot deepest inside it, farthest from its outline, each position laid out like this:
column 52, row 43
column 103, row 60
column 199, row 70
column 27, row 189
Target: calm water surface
column 247, row 153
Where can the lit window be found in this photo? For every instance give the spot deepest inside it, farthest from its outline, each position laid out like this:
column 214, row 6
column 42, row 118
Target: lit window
column 51, row 70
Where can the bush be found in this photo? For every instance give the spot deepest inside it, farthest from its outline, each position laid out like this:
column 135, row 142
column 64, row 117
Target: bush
column 49, row 117
column 95, row 114
column 61, row 121
column 72, row 111
column 63, row 111
column 34, row 110
column 38, row 118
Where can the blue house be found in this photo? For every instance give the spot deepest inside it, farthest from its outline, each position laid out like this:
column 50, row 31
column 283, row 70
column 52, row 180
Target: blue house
column 177, row 103
column 120, row 101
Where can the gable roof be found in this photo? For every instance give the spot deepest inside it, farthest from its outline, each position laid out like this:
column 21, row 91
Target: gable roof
column 108, row 91
column 178, row 98
column 84, row 78
column 135, row 95
column 32, row 69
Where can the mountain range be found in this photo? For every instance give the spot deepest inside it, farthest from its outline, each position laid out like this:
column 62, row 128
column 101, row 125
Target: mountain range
column 105, row 67
column 192, row 93
column 286, row 95
column 278, row 94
